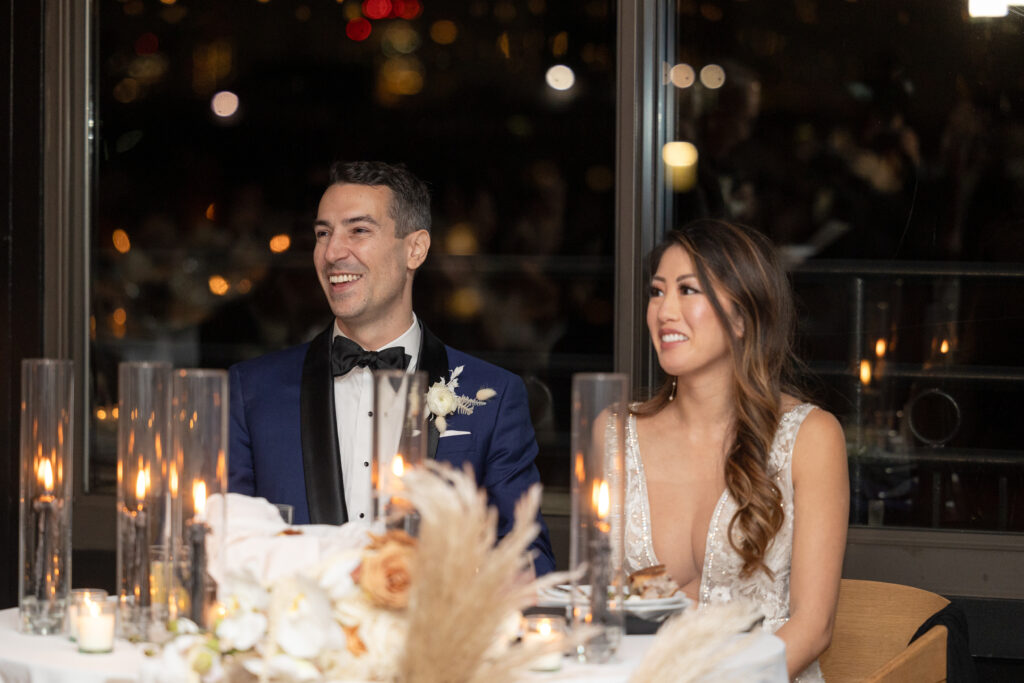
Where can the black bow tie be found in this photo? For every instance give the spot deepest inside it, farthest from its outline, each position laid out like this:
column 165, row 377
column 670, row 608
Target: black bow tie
column 346, row 354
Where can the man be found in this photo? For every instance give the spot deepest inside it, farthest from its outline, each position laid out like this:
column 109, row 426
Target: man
column 301, row 418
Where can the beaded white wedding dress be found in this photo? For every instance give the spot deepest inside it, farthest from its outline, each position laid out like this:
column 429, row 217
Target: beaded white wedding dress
column 720, row 580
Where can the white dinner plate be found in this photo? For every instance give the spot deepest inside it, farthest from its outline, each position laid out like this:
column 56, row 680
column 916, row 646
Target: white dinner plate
column 653, row 608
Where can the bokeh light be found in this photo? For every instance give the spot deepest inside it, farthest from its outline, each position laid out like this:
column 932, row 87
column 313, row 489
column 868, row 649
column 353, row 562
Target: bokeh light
column 218, row 285
column 560, row 77
column 682, row 75
column 211, row 211
column 679, row 154
column 880, row 348
column 712, row 76
column 121, row 241
column 224, row 103
column 119, row 316
column 376, row 9
column 358, row 29
column 406, row 9
column 147, row 44
column 444, row 32
column 280, row 243
column 988, row 8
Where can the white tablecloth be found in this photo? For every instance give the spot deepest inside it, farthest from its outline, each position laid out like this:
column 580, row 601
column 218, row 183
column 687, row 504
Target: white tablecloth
column 55, row 659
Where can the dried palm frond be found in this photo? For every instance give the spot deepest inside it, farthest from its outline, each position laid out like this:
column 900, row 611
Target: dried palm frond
column 465, row 586
column 692, row 644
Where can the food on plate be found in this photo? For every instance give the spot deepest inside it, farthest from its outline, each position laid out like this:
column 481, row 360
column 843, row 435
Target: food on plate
column 652, row 583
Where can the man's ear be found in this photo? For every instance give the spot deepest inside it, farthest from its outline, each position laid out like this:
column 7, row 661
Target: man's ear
column 417, row 244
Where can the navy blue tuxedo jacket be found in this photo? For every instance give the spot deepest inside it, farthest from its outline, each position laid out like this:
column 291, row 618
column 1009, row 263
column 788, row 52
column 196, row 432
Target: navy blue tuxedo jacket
column 284, row 443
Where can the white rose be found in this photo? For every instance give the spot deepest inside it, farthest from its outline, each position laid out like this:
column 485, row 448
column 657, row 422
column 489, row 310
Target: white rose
column 441, row 400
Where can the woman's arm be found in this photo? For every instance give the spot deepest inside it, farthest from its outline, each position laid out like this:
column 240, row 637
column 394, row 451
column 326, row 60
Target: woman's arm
column 821, row 492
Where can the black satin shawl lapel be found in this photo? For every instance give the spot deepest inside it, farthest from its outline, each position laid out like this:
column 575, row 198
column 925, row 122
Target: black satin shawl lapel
column 321, row 460
column 433, row 361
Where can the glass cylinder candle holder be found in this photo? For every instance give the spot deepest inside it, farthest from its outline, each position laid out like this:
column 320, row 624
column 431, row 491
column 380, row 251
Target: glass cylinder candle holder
column 78, row 597
column 399, row 443
column 199, row 437
column 146, row 489
column 94, row 624
column 548, row 631
column 596, row 540
column 44, row 538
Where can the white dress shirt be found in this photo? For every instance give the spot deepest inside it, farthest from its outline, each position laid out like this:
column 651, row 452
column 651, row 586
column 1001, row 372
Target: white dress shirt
column 353, row 410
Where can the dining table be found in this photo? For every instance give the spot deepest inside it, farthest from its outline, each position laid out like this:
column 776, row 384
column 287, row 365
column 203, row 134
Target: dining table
column 28, row 658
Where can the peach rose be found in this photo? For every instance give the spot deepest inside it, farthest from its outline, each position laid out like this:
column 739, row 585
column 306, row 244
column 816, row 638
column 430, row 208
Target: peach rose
column 386, row 575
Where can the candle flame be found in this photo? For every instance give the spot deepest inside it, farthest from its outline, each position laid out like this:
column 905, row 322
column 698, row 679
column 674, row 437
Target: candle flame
column 544, row 627
column 602, row 500
column 944, row 347
column 94, row 609
column 865, row 371
column 140, row 485
column 174, row 480
column 578, row 468
column 199, row 496
column 880, row 348
column 398, row 465
column 45, row 472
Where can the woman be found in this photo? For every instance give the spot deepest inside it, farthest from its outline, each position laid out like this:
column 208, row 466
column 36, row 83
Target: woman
column 737, row 486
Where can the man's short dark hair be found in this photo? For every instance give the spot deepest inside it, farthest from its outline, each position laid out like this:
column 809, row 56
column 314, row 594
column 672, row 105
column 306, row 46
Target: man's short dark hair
column 410, row 205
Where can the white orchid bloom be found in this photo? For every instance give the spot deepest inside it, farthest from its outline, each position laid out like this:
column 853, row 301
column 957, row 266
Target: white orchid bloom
column 302, row 623
column 241, row 630
column 244, row 592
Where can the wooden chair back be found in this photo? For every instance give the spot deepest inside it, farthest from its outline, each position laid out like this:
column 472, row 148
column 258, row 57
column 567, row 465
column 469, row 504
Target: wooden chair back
column 874, row 623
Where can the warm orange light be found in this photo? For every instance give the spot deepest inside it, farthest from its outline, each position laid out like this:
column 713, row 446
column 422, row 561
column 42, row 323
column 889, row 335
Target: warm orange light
column 444, row 32
column 101, row 414
column 944, row 347
column 865, row 371
column 280, row 243
column 173, row 480
column 398, row 465
column 45, row 473
column 120, row 316
column 602, row 500
column 113, row 412
column 578, row 468
column 218, row 285
column 121, row 241
column 544, row 627
column 199, row 497
column 211, row 211
column 880, row 347
column 140, row 485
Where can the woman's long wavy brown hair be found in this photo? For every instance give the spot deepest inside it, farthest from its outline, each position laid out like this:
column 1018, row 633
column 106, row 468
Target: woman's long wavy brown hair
column 741, row 265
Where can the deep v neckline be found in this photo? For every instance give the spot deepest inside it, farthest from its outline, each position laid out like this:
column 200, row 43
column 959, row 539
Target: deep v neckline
column 715, row 514
column 645, row 507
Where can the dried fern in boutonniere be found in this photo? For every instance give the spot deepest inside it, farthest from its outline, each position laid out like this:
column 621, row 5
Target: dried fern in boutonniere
column 442, row 400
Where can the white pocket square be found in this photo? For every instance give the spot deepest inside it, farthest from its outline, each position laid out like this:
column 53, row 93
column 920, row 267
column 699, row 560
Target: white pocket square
column 453, row 432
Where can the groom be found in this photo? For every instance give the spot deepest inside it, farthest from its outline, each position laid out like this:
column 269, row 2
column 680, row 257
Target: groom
column 302, row 418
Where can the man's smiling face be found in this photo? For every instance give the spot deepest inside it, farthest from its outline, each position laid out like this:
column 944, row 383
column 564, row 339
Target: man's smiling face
column 364, row 269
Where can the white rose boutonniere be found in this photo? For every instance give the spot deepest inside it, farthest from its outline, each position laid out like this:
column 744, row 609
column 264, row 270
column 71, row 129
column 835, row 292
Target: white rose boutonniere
column 442, row 400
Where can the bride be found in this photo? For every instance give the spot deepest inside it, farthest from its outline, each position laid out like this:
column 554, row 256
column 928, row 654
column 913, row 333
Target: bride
column 734, row 483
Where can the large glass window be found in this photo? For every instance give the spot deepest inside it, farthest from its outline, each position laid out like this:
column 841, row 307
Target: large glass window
column 217, row 122
column 881, row 144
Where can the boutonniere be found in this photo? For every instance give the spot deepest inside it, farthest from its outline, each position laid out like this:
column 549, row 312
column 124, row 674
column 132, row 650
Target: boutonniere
column 442, row 400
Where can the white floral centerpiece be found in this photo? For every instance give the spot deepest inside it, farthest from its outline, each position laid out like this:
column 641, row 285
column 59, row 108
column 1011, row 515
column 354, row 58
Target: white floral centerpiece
column 440, row 607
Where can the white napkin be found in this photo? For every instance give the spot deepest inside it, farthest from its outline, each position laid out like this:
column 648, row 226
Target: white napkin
column 254, row 539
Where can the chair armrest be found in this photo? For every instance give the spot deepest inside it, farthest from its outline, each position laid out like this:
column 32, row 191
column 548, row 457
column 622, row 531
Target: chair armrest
column 924, row 661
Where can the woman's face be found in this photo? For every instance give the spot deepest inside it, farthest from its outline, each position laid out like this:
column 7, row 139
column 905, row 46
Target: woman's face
column 687, row 334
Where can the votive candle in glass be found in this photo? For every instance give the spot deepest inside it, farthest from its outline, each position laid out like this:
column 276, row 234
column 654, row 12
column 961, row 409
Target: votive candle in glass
column 78, row 597
column 544, row 630
column 95, row 626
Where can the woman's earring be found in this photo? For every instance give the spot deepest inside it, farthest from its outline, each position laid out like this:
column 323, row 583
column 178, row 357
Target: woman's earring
column 672, row 394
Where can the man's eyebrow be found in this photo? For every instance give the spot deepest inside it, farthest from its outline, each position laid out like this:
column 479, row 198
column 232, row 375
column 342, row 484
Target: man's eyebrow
column 347, row 221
